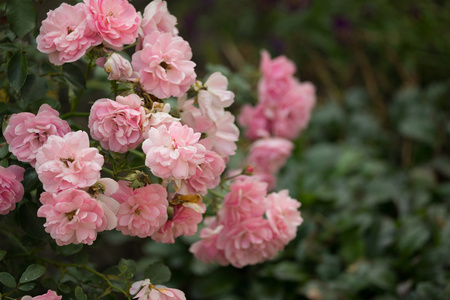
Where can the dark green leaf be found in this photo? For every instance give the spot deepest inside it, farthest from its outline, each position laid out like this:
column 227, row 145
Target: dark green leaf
column 127, row 267
column 34, row 88
column 2, row 254
column 17, row 70
column 29, row 221
column 81, row 258
column 68, row 249
column 33, row 272
column 7, row 279
column 27, row 286
column 79, row 294
column 158, row 273
column 3, row 149
column 21, row 16
column 9, row 47
column 74, row 75
column 64, row 288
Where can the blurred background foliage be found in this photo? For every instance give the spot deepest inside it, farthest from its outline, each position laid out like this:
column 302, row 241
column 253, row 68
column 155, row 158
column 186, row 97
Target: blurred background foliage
column 371, row 171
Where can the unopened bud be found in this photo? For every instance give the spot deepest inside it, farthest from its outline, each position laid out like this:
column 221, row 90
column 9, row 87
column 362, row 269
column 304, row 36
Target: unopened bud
column 137, row 179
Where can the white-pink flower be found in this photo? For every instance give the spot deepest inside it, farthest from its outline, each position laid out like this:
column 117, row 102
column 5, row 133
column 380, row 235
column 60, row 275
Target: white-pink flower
column 144, row 290
column 142, row 211
column 174, row 152
column 207, row 175
column 270, row 154
column 214, row 96
column 11, row 190
column 157, row 18
column 102, row 191
column 158, row 116
column 283, row 215
column 117, row 67
column 184, row 221
column 50, row 295
column 164, row 65
column 116, row 21
column 248, row 242
column 65, row 34
column 117, row 125
column 255, row 120
column 68, row 162
column 245, row 200
column 192, row 116
column 72, row 217
column 26, row 132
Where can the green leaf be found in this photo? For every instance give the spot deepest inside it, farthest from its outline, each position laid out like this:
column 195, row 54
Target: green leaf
column 7, row 279
column 9, row 47
column 30, row 179
column 64, row 288
column 79, row 294
column 34, row 88
column 2, row 254
column 68, row 249
column 81, row 258
column 27, row 286
column 21, row 16
column 127, row 267
column 17, row 70
column 74, row 75
column 29, row 221
column 33, row 272
column 158, row 273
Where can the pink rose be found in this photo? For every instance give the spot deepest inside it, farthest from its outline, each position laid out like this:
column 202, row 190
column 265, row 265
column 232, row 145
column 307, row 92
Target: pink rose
column 270, row 154
column 214, row 96
column 118, row 68
column 283, row 215
column 184, row 222
column 142, row 211
column 206, row 249
column 26, row 133
column 207, row 175
column 117, row 125
column 164, row 65
column 50, row 295
column 144, row 290
column 68, row 162
column 248, row 242
column 254, row 118
column 102, row 191
column 158, row 116
column 116, row 21
column 246, row 199
column 72, row 217
column 174, row 152
column 65, row 34
column 193, row 116
column 11, row 190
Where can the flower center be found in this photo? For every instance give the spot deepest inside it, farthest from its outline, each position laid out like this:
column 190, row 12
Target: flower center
column 66, row 160
column 71, row 214
column 69, row 30
column 164, row 65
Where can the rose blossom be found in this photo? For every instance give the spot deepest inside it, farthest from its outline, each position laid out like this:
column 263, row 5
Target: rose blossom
column 193, row 116
column 174, row 152
column 246, row 199
column 68, row 162
column 255, row 120
column 65, row 34
column 157, row 18
column 142, row 211
column 184, row 222
column 26, row 132
column 164, row 65
column 50, row 295
column 214, row 96
column 11, row 190
column 158, row 116
column 72, row 217
column 117, row 125
column 117, row 67
column 206, row 249
column 116, row 21
column 283, row 215
column 270, row 154
column 248, row 242
column 207, row 175
column 102, row 191
column 144, row 290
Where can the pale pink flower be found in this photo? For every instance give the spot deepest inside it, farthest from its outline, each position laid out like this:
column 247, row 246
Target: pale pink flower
column 277, row 77
column 248, row 242
column 65, row 34
column 206, row 249
column 246, row 199
column 213, row 97
column 158, row 116
column 117, row 125
column 174, row 152
column 116, row 21
column 164, row 65
column 254, row 119
column 292, row 113
column 157, row 18
column 142, row 211
column 117, row 67
column 102, row 191
column 207, row 175
column 50, row 295
column 26, row 132
column 11, row 190
column 266, row 177
column 192, row 116
column 68, row 162
column 270, row 154
column 144, row 290
column 222, row 137
column 283, row 215
column 72, row 217
column 184, row 222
